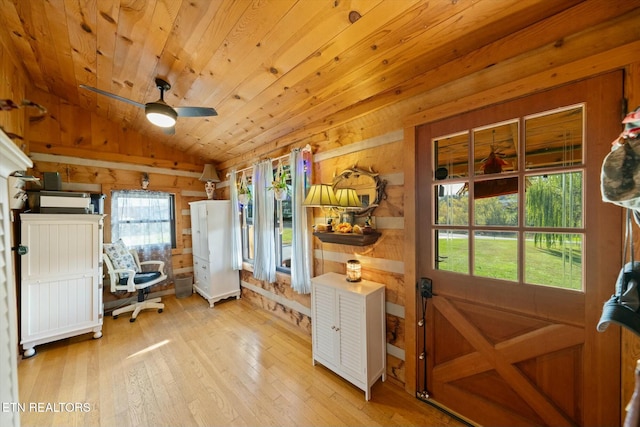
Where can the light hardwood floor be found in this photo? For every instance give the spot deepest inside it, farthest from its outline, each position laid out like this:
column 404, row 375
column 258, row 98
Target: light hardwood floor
column 233, row 365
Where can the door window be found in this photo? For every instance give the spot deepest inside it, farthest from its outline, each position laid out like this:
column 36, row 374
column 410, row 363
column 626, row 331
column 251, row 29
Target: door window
column 508, row 200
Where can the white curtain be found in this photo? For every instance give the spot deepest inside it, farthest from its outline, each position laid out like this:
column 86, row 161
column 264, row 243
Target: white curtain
column 236, row 231
column 301, row 244
column 264, row 266
column 144, row 221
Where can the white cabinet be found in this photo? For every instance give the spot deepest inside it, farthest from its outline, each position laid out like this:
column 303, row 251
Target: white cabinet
column 61, row 284
column 214, row 276
column 348, row 328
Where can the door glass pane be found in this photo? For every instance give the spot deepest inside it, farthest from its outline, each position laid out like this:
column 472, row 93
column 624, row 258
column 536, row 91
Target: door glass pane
column 451, row 154
column 452, row 205
column 452, row 251
column 495, row 149
column 496, row 255
column 554, row 200
column 554, row 260
column 555, row 138
column 496, row 210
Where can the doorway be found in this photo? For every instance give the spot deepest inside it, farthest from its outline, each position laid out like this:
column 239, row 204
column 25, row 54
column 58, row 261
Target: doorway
column 521, row 253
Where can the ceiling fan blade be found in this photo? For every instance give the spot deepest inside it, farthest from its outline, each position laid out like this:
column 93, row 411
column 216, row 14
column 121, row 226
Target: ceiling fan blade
column 170, row 130
column 195, row 111
column 112, row 95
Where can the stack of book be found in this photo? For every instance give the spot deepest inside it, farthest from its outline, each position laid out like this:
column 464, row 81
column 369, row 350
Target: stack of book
column 67, row 202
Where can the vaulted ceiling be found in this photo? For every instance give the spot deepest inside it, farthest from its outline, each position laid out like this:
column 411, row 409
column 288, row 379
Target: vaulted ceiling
column 275, row 71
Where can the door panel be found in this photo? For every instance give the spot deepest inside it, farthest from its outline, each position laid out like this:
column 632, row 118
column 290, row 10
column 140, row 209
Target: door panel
column 503, row 352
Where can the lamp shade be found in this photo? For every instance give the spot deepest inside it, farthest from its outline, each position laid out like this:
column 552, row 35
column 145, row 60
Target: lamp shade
column 348, row 198
column 209, row 174
column 160, row 114
column 321, row 195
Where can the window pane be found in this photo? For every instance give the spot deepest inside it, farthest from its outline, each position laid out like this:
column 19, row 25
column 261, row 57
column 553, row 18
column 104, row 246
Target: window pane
column 247, row 232
column 451, row 155
column 284, row 235
column 495, row 149
column 139, row 234
column 452, row 251
column 453, row 204
column 496, row 255
column 497, row 210
column 554, row 200
column 554, row 139
column 554, row 260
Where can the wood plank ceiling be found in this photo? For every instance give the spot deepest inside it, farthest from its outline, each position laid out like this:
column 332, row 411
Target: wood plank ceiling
column 275, row 71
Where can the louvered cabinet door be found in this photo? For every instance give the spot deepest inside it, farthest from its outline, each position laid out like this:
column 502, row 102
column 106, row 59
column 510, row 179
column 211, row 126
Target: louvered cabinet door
column 351, row 330
column 348, row 327
column 325, row 339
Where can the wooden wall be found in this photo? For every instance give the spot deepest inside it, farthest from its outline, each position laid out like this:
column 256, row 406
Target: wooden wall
column 94, row 154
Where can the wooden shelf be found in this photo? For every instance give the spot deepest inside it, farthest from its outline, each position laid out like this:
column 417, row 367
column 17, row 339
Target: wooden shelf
column 348, row 238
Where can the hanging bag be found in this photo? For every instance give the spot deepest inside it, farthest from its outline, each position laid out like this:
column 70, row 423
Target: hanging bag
column 623, row 307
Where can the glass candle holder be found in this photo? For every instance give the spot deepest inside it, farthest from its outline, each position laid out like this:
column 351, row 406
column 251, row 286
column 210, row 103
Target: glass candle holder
column 354, row 270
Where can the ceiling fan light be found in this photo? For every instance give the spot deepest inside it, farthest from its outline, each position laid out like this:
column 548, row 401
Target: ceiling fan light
column 160, row 114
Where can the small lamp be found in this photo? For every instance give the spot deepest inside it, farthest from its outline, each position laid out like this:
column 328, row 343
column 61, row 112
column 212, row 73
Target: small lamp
column 349, row 201
column 354, row 271
column 321, row 196
column 209, row 177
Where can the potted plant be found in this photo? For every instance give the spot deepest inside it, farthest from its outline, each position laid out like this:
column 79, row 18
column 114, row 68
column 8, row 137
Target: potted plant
column 244, row 191
column 279, row 184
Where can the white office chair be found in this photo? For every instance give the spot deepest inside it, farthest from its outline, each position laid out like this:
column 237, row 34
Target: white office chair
column 130, row 277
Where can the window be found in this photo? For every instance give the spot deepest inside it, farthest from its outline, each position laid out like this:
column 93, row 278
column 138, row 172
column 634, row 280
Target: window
column 509, row 199
column 282, row 230
column 143, row 218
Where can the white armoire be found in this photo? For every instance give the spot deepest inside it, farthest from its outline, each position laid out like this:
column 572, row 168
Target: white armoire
column 61, row 283
column 11, row 160
column 348, row 328
column 214, row 276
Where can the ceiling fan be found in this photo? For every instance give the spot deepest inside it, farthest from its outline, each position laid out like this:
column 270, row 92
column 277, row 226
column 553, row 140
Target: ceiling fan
column 159, row 112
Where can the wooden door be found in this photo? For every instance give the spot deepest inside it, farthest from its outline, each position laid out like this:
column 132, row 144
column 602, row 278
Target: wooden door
column 510, row 336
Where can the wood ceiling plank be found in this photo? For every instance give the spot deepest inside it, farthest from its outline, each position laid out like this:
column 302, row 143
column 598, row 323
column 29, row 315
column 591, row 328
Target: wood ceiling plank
column 106, row 27
column 52, row 63
column 81, row 25
column 20, row 39
column 434, row 86
column 398, row 33
column 287, row 34
column 54, row 50
column 198, row 32
column 143, row 29
column 353, row 87
column 309, row 61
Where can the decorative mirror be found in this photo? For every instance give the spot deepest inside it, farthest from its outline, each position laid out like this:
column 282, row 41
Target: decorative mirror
column 368, row 185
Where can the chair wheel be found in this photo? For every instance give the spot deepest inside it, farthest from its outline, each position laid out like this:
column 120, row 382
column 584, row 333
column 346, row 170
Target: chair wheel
column 133, row 319
column 160, row 310
column 115, row 317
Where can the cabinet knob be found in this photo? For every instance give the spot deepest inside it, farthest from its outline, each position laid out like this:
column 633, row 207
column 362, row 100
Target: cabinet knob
column 22, row 250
